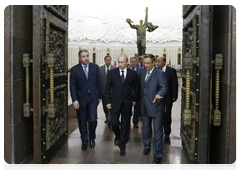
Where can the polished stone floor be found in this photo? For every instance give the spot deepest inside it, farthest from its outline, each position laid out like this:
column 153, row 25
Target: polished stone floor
column 105, row 152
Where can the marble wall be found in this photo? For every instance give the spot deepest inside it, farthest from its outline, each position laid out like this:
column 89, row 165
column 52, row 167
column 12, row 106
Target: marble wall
column 223, row 138
column 18, row 131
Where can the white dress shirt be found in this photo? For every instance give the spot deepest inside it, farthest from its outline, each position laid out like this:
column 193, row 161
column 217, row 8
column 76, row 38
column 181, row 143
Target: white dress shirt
column 109, row 67
column 149, row 72
column 164, row 68
column 125, row 72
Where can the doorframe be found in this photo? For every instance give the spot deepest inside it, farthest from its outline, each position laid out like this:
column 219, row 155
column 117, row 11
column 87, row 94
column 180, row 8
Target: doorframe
column 36, row 86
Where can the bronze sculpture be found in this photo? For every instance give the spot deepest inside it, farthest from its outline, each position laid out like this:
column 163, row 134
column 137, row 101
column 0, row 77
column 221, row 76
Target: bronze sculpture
column 141, row 32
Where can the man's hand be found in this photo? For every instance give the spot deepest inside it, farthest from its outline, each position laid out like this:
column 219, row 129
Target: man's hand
column 134, row 103
column 76, row 105
column 157, row 97
column 109, row 106
column 146, row 9
column 173, row 99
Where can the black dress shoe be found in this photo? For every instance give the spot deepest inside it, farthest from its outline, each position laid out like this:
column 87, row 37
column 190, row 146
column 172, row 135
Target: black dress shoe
column 122, row 152
column 116, row 141
column 157, row 160
column 146, row 151
column 136, row 125
column 92, row 143
column 84, row 147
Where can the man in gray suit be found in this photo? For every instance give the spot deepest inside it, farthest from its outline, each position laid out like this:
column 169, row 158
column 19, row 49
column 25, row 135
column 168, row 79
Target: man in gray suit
column 104, row 70
column 153, row 90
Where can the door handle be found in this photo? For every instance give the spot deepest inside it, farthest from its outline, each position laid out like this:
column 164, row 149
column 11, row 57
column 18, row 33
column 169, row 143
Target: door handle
column 27, row 107
column 50, row 64
column 218, row 62
column 187, row 115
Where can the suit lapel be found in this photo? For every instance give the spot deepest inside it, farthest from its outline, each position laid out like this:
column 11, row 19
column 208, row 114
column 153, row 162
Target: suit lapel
column 127, row 76
column 82, row 72
column 152, row 74
column 118, row 75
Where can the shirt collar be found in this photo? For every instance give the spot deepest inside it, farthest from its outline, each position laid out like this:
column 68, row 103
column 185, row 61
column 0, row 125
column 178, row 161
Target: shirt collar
column 107, row 66
column 125, row 70
column 84, row 65
column 134, row 68
column 164, row 68
column 151, row 70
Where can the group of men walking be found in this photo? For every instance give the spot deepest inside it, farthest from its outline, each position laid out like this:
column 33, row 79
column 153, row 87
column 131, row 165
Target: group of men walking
column 150, row 88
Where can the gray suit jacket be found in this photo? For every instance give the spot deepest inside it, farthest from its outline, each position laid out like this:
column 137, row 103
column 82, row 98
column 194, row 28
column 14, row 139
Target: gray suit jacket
column 104, row 77
column 156, row 84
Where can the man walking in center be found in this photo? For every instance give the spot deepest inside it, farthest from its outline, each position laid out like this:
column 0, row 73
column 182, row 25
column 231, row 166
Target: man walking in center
column 133, row 66
column 104, row 71
column 85, row 86
column 171, row 96
column 119, row 99
column 153, row 90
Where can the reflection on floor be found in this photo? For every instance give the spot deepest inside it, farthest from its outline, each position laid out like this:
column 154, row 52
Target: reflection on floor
column 105, row 152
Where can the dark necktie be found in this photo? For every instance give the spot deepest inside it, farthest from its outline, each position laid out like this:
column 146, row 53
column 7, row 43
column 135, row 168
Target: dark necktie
column 107, row 70
column 122, row 77
column 148, row 75
column 86, row 72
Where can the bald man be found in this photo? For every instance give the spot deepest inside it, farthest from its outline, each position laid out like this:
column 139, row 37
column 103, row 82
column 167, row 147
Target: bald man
column 171, row 96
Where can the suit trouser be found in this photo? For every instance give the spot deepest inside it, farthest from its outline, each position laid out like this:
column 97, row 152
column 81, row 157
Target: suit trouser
column 136, row 114
column 104, row 107
column 123, row 133
column 106, row 111
column 158, row 134
column 167, row 118
column 88, row 115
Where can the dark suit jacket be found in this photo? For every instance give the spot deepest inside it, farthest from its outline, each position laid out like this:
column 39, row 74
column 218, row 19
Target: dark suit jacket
column 156, row 84
column 139, row 72
column 121, row 92
column 104, row 77
column 172, row 82
column 79, row 84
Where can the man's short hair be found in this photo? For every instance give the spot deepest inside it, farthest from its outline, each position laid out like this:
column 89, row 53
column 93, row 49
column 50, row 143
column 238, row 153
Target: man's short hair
column 124, row 56
column 107, row 57
column 82, row 51
column 150, row 56
column 133, row 58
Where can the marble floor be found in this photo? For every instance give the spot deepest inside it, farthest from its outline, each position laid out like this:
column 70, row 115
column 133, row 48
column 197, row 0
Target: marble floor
column 105, row 152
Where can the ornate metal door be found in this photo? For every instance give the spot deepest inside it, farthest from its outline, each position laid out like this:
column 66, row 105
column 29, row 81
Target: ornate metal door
column 196, row 78
column 50, row 103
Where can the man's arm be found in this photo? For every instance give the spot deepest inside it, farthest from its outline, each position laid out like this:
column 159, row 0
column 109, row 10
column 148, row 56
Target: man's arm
column 174, row 85
column 99, row 85
column 136, row 88
column 146, row 17
column 108, row 89
column 129, row 22
column 73, row 89
column 162, row 83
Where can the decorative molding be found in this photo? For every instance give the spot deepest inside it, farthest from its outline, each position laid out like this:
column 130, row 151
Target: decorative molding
column 187, row 9
column 61, row 11
column 57, row 126
column 56, row 43
column 108, row 28
column 189, row 44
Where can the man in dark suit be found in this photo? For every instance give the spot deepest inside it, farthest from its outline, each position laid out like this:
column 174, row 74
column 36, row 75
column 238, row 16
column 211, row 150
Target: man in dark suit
column 153, row 90
column 119, row 99
column 104, row 71
column 171, row 96
column 140, row 62
column 133, row 66
column 85, row 86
